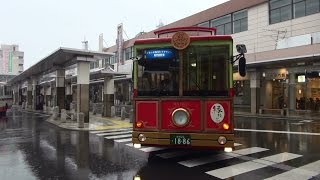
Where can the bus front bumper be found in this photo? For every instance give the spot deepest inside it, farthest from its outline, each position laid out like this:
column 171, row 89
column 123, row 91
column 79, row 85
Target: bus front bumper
column 186, row 139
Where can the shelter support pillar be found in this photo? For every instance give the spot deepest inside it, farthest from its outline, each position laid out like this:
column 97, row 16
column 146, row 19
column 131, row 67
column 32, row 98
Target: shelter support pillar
column 68, row 95
column 48, row 96
column 29, row 94
column 255, row 91
column 19, row 94
column 60, row 89
column 35, row 93
column 83, row 68
column 15, row 93
column 292, row 92
column 108, row 96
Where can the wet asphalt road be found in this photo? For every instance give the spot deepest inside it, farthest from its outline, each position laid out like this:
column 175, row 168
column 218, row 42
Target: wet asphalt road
column 31, row 148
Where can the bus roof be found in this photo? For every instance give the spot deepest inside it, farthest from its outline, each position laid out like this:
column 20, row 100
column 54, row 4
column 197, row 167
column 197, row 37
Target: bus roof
column 192, row 38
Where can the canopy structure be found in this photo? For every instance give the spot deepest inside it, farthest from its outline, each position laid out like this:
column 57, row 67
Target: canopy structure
column 61, row 58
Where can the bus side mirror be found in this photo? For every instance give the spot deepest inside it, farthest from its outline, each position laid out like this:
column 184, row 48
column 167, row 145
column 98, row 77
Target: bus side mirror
column 242, row 66
column 141, row 60
column 241, row 48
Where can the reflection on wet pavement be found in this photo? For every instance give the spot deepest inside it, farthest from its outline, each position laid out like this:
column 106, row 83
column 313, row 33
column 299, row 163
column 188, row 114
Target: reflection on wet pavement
column 31, row 148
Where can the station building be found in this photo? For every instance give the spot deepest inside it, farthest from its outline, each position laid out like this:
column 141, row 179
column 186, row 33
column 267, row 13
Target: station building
column 283, row 59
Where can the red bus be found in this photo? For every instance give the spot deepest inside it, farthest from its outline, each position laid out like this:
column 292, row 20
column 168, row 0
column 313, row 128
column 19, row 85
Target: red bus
column 183, row 89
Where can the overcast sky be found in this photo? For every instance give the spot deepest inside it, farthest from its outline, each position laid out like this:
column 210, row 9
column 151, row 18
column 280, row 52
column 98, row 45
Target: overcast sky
column 41, row 26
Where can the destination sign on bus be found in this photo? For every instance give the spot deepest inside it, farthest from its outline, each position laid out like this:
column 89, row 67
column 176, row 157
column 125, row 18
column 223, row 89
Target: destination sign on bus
column 159, row 53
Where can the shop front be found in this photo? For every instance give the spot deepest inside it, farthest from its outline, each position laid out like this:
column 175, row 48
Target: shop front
column 308, row 90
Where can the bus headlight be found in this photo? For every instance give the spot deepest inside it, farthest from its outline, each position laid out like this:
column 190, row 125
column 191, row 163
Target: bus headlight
column 222, row 140
column 142, row 137
column 180, row 117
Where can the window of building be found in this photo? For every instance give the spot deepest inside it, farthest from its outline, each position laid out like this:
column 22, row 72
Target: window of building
column 112, row 60
column 204, row 24
column 280, row 10
column 312, row 6
column 92, row 65
column 305, row 7
column 222, row 24
column 128, row 53
column 240, row 21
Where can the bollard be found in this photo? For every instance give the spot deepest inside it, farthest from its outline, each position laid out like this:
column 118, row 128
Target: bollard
column 113, row 111
column 131, row 116
column 94, row 109
column 63, row 115
column 123, row 113
column 72, row 116
column 55, row 113
column 80, row 120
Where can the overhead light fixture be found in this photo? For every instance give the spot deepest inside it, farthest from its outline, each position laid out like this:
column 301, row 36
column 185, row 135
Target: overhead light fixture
column 194, row 64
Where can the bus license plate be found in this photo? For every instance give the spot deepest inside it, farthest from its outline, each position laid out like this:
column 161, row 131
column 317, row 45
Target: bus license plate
column 180, row 139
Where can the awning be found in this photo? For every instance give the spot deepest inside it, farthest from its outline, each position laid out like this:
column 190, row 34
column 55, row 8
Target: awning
column 61, row 58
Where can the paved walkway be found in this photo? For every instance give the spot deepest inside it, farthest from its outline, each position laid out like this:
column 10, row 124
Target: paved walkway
column 96, row 122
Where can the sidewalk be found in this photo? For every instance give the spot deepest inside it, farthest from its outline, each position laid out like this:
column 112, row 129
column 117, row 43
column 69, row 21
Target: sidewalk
column 96, row 122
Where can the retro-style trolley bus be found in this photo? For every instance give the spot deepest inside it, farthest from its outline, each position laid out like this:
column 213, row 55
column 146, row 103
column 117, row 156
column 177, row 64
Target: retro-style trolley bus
column 183, row 88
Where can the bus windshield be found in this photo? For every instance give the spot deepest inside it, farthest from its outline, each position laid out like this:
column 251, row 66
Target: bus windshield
column 204, row 71
column 158, row 73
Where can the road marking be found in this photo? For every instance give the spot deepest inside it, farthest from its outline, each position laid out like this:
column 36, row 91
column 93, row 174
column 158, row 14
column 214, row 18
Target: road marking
column 114, row 133
column 279, row 132
column 304, row 172
column 111, row 130
column 241, row 168
column 181, row 153
column 151, row 149
column 118, row 136
column 130, row 144
column 221, row 157
column 147, row 149
column 123, row 140
column 307, row 121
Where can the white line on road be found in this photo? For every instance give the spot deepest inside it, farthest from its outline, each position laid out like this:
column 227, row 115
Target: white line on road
column 181, row 153
column 119, row 136
column 304, row 172
column 123, row 140
column 278, row 132
column 114, row 133
column 151, row 149
column 245, row 167
column 110, row 130
column 221, row 157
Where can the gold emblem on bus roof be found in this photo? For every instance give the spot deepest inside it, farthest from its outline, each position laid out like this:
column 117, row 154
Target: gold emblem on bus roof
column 180, row 40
